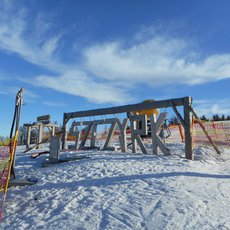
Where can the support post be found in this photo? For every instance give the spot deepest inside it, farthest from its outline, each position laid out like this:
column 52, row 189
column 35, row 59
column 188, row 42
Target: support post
column 40, row 132
column 78, row 136
column 64, row 132
column 187, row 130
column 153, row 121
column 28, row 137
column 93, row 135
column 54, row 150
column 133, row 125
column 177, row 114
column 52, row 131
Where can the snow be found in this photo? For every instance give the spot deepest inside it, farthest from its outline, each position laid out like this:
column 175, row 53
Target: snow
column 111, row 190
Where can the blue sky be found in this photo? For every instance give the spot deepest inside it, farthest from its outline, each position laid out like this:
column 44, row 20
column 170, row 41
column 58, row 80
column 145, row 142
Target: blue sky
column 78, row 55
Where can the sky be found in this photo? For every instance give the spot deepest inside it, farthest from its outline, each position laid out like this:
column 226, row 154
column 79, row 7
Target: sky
column 79, row 55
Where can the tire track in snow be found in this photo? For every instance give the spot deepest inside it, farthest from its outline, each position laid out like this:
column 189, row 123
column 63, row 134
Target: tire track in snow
column 126, row 208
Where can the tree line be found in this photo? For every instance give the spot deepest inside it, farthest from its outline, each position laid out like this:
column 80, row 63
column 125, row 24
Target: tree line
column 216, row 117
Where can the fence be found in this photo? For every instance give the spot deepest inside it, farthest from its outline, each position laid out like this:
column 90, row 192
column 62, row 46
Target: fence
column 6, row 160
column 6, row 147
column 218, row 131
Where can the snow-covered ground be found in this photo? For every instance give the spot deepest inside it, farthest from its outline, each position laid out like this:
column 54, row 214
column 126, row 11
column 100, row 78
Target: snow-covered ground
column 123, row 191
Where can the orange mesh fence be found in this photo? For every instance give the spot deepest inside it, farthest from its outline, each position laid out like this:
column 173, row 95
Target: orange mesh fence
column 226, row 128
column 218, row 131
column 5, row 150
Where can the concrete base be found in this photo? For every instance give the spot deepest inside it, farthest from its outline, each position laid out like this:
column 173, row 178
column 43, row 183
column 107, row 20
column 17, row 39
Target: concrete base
column 22, row 182
column 110, row 148
column 47, row 162
column 90, row 148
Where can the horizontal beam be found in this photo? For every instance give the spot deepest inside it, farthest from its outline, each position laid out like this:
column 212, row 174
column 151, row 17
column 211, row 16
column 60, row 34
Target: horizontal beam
column 127, row 108
column 44, row 118
column 96, row 122
column 39, row 125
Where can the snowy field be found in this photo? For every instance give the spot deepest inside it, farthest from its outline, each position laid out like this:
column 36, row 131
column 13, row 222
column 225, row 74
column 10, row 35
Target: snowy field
column 123, row 191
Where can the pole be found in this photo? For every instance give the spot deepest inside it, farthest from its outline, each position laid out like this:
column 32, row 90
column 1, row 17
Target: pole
column 187, row 130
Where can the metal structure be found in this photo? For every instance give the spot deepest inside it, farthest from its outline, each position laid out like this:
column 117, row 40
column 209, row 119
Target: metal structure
column 42, row 122
column 184, row 119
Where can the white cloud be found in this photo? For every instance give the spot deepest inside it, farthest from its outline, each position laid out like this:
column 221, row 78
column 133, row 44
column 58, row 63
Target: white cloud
column 79, row 84
column 212, row 107
column 40, row 50
column 53, row 104
column 157, row 61
column 110, row 69
column 15, row 37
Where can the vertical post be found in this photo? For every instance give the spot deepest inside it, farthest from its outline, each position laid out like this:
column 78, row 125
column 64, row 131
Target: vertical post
column 54, row 149
column 78, row 136
column 153, row 121
column 52, row 131
column 133, row 124
column 93, row 135
column 40, row 132
column 64, row 132
column 187, row 130
column 28, row 137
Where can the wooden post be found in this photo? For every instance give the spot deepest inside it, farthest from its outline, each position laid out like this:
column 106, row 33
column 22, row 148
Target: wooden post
column 78, row 136
column 177, row 113
column 54, row 150
column 153, row 133
column 93, row 135
column 52, row 131
column 40, row 134
column 133, row 125
column 64, row 132
column 28, row 137
column 187, row 130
